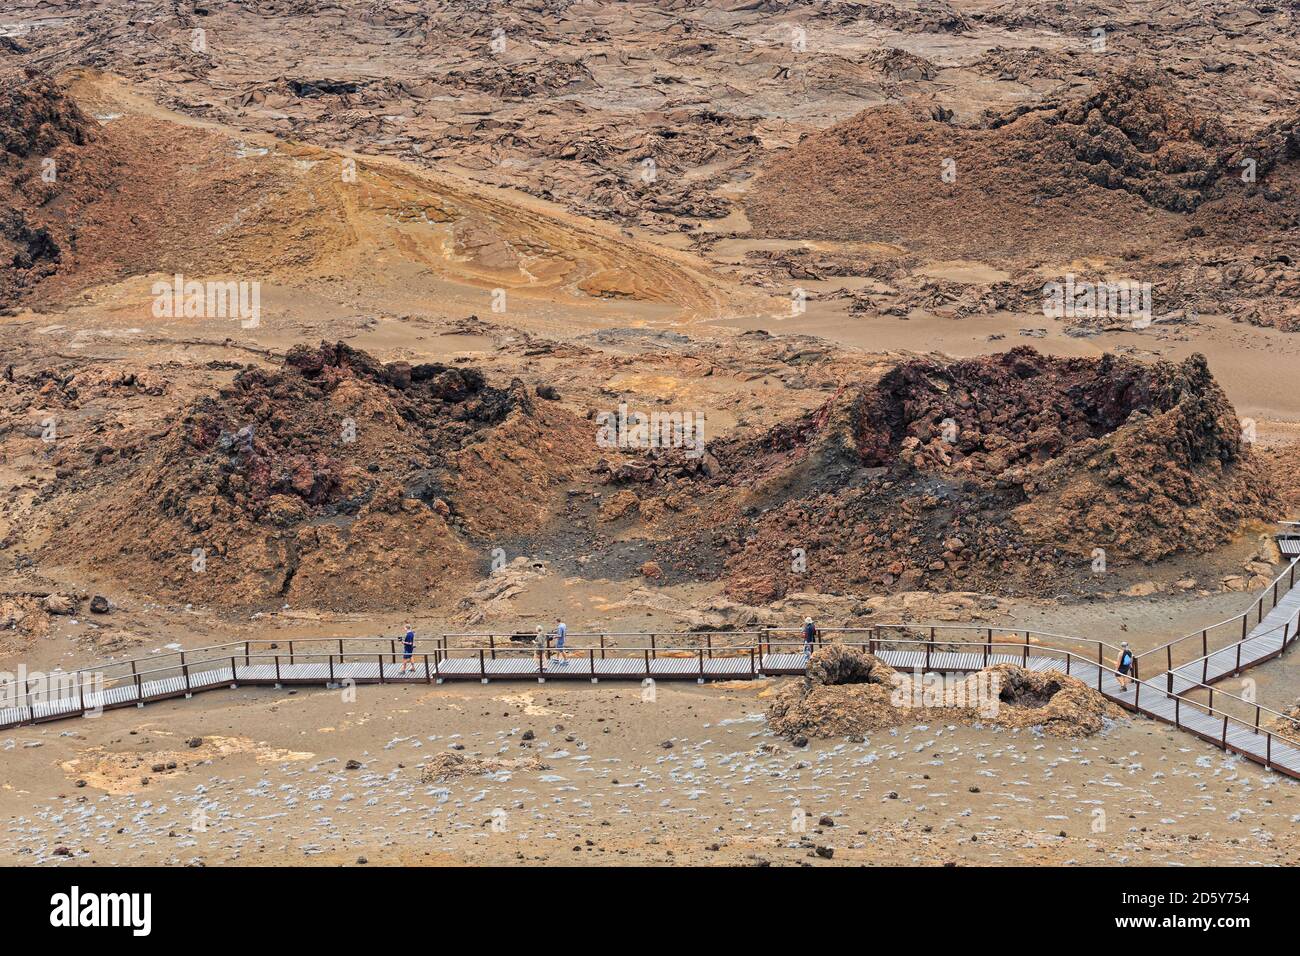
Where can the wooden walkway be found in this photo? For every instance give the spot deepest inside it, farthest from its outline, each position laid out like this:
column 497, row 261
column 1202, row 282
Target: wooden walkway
column 939, row 648
column 1268, row 639
column 1152, row 700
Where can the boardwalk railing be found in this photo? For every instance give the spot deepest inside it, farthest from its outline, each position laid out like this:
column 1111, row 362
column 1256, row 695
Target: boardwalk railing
column 241, row 664
column 1030, row 641
column 1253, row 706
column 723, row 655
column 182, row 670
column 1198, row 669
column 1235, row 628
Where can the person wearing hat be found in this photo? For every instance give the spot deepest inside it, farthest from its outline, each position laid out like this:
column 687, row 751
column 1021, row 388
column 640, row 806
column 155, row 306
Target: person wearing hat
column 543, row 647
column 809, row 637
column 1124, row 665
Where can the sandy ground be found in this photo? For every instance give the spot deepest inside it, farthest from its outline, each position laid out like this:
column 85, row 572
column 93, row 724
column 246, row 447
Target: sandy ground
column 269, row 785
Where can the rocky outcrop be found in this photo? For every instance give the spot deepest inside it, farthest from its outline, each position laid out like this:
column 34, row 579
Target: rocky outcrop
column 1004, row 473
column 334, row 481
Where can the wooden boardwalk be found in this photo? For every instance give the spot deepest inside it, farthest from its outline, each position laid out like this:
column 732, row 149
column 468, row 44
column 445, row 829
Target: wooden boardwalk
column 1268, row 639
column 637, row 664
column 918, row 648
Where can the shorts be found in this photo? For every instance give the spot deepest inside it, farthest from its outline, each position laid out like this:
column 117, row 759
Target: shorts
column 1125, row 668
column 407, row 651
column 559, row 643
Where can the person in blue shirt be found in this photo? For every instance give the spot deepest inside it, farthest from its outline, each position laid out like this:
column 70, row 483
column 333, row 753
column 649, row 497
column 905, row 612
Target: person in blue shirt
column 561, row 629
column 809, row 637
column 408, row 650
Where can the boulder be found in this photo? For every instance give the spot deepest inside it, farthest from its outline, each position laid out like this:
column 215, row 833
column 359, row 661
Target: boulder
column 59, row 604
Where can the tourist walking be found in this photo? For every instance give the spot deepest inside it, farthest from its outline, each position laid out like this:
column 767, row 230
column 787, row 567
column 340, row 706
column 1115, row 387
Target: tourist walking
column 408, row 650
column 543, row 647
column 809, row 637
column 561, row 629
column 1124, row 665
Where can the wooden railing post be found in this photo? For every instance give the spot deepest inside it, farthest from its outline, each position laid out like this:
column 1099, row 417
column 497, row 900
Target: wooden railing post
column 482, row 665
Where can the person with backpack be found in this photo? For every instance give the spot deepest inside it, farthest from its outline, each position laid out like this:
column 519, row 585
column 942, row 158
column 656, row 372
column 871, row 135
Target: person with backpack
column 809, row 637
column 543, row 647
column 1124, row 666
